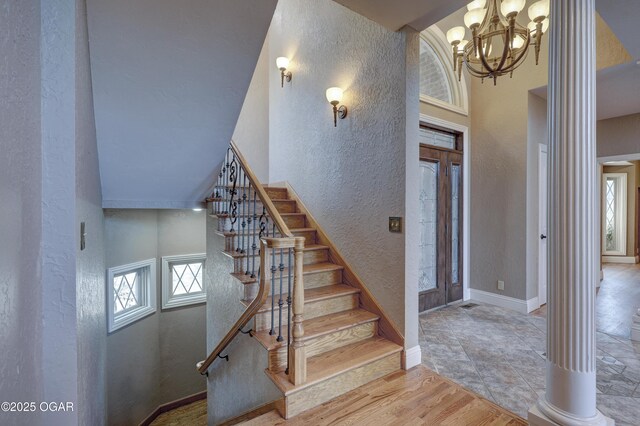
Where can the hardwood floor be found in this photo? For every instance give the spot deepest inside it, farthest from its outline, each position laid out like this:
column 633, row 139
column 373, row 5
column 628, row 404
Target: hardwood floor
column 415, row 397
column 194, row 414
column 618, row 299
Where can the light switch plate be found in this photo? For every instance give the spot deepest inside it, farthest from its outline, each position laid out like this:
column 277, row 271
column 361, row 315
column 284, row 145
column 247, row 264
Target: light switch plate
column 395, row 224
column 83, row 235
column 500, row 285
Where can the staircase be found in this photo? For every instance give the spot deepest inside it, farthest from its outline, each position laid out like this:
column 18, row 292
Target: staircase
column 348, row 340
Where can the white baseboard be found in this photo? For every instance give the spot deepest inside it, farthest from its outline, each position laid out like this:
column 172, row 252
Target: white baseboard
column 411, row 357
column 533, row 304
column 519, row 305
column 621, row 259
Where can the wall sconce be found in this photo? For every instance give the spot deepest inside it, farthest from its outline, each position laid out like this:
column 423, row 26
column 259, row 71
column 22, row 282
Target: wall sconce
column 282, row 63
column 334, row 96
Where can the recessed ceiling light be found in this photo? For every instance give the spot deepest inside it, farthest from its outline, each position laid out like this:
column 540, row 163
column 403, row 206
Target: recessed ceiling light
column 197, row 210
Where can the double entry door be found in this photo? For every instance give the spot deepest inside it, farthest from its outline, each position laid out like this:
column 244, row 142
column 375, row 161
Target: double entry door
column 440, row 275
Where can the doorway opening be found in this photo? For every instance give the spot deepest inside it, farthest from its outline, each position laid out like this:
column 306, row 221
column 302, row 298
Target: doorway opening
column 440, row 279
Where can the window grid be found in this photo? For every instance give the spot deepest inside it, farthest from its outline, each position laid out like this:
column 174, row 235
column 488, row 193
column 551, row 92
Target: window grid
column 182, row 280
column 133, row 294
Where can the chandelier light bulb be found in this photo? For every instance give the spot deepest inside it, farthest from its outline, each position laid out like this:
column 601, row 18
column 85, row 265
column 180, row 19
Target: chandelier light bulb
column 486, row 54
column 509, row 7
column 474, row 17
column 539, row 10
column 518, row 42
column 462, row 45
column 533, row 26
column 477, row 4
column 455, row 34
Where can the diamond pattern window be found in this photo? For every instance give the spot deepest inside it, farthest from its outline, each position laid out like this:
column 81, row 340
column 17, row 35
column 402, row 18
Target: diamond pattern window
column 182, row 280
column 614, row 214
column 132, row 293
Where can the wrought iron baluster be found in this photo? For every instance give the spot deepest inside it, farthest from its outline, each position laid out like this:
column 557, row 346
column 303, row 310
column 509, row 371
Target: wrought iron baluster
column 264, row 224
column 273, row 291
column 253, row 238
column 243, row 209
column 233, row 203
column 280, row 301
column 224, row 207
column 289, row 307
column 250, row 236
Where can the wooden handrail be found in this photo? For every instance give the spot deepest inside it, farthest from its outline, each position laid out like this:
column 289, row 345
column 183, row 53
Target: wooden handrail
column 262, row 194
column 260, row 299
column 287, row 241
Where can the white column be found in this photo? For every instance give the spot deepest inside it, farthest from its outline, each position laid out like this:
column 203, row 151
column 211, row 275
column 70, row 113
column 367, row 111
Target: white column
column 635, row 327
column 570, row 397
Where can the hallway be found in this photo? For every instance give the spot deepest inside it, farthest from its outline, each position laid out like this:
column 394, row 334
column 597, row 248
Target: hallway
column 618, row 299
column 500, row 354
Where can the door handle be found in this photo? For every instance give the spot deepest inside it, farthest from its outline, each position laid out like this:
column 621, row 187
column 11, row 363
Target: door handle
column 542, row 236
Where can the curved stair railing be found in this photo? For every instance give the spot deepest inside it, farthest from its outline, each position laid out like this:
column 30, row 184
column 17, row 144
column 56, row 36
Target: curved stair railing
column 265, row 253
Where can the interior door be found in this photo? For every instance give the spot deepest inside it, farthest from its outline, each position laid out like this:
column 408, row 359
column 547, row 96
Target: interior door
column 542, row 225
column 440, row 275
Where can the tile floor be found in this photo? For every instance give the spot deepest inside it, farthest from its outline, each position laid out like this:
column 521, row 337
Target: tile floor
column 500, row 354
column 618, row 299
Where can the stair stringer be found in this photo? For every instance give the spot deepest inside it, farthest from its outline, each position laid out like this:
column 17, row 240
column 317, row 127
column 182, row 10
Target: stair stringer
column 386, row 327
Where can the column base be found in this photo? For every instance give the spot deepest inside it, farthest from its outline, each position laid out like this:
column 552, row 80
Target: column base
column 544, row 414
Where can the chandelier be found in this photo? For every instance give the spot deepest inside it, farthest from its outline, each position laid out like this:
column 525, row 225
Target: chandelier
column 499, row 43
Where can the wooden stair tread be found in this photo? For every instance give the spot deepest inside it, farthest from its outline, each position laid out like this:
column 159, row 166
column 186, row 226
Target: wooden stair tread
column 320, row 326
column 337, row 361
column 302, row 229
column 315, row 268
column 244, row 278
column 312, row 295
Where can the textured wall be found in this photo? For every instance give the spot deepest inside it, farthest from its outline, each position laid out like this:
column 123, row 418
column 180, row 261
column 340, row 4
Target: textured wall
column 239, row 385
column 152, row 361
column 351, row 177
column 252, row 130
column 619, row 136
column 20, row 209
column 90, row 270
column 58, row 120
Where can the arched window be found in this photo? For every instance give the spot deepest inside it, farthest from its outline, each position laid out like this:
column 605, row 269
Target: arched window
column 439, row 85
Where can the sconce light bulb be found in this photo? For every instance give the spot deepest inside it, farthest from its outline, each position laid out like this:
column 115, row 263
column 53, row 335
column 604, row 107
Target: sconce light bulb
column 334, row 95
column 282, row 63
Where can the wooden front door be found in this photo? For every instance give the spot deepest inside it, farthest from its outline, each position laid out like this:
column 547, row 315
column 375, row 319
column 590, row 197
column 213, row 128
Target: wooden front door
column 440, row 277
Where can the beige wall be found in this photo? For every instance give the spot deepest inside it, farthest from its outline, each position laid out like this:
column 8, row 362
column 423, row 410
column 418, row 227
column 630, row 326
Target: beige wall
column 619, row 136
column 507, row 124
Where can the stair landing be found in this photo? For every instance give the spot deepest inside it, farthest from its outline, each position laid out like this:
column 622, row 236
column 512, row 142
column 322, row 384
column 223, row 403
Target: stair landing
column 416, row 397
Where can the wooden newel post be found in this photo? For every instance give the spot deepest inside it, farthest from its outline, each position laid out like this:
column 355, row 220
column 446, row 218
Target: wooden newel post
column 297, row 355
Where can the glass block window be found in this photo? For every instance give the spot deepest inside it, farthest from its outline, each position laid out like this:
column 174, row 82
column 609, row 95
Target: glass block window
column 614, row 214
column 132, row 293
column 182, row 280
column 433, row 76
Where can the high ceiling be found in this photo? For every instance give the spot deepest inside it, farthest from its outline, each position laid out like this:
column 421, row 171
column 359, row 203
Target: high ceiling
column 169, row 79
column 418, row 14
